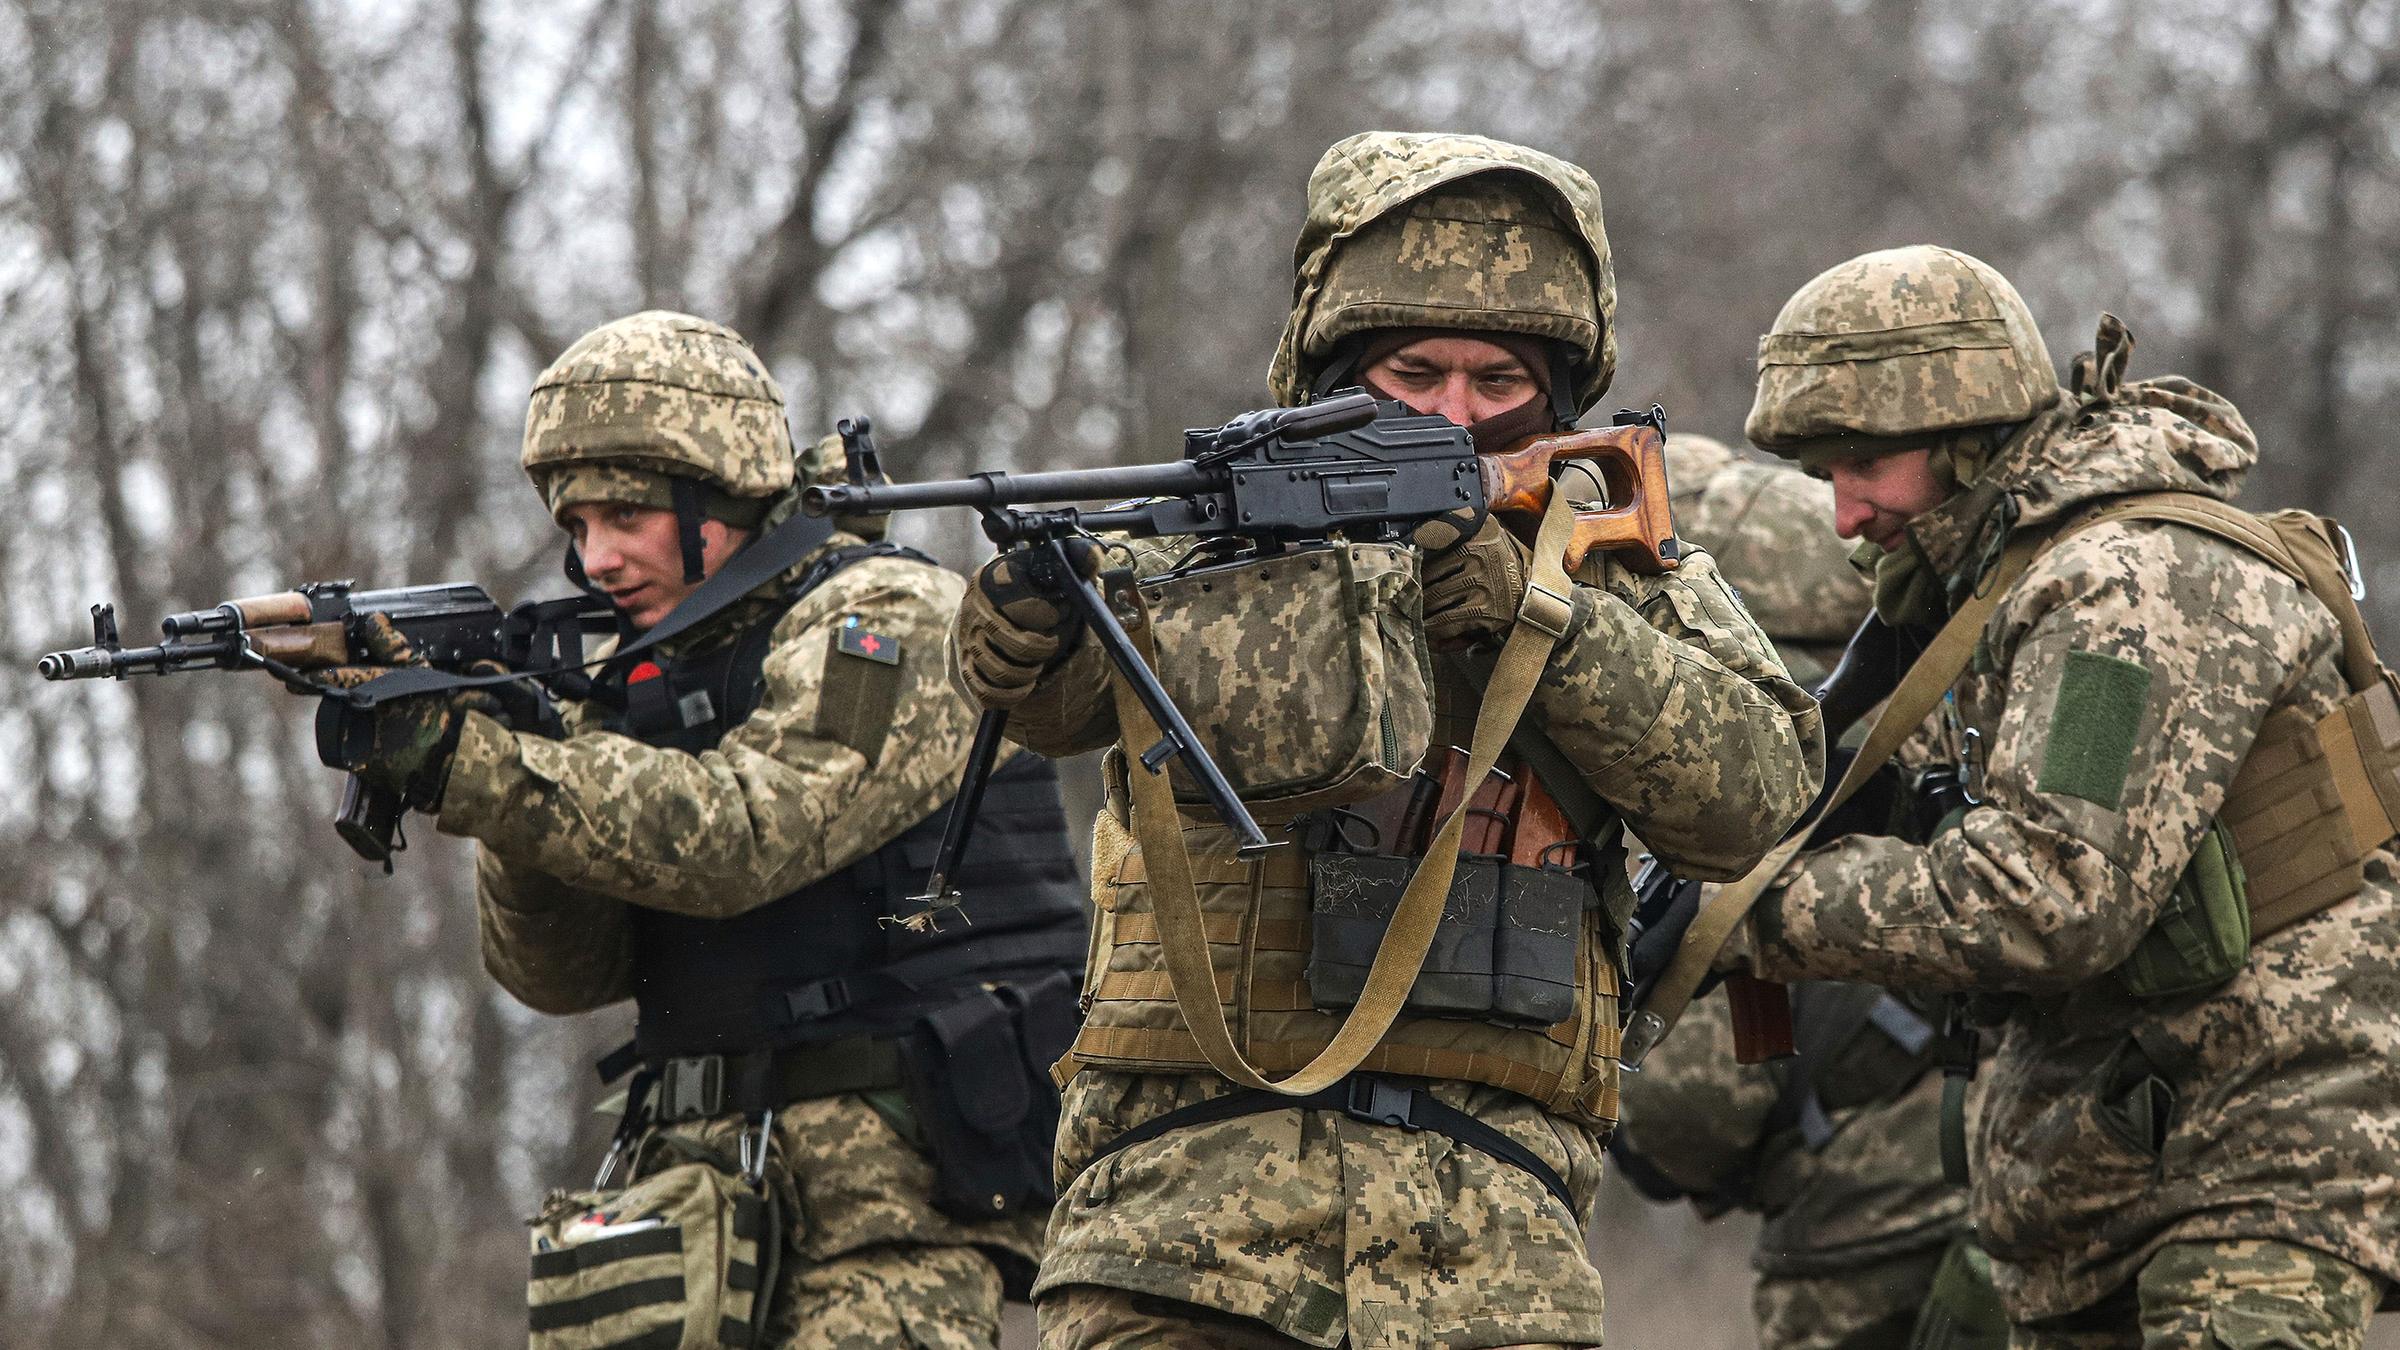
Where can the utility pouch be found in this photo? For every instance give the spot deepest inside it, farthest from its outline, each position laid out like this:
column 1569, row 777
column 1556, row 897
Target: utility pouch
column 977, row 1075
column 684, row 1258
column 1306, row 672
column 1533, row 953
column 2202, row 936
column 1504, row 951
column 1962, row 1308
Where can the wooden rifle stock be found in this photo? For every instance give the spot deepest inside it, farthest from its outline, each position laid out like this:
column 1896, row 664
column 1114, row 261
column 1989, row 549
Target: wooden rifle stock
column 1627, row 463
column 1762, row 1018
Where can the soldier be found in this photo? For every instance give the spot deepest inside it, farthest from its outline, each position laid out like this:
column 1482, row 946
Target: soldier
column 2175, row 910
column 1468, row 278
column 728, row 826
column 1838, row 1149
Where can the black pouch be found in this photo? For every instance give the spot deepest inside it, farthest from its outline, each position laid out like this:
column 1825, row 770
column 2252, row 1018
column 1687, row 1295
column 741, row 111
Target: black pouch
column 1533, row 951
column 976, row 1071
column 1351, row 900
column 1505, row 949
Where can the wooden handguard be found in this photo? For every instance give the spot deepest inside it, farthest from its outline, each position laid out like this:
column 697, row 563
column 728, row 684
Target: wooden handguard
column 1630, row 464
column 307, row 646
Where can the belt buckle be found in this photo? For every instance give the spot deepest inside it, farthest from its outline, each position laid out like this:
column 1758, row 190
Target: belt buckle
column 1378, row 1102
column 1546, row 610
column 691, row 1087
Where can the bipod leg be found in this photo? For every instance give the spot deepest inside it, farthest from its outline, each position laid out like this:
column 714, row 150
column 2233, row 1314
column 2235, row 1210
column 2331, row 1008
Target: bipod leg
column 1178, row 738
column 959, row 825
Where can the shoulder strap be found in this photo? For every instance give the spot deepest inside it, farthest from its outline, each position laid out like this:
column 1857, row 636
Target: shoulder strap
column 774, row 552
column 1936, row 669
column 2297, row 543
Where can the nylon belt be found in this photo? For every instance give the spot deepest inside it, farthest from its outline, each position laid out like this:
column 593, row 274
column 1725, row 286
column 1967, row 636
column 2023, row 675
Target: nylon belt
column 1372, row 1098
column 696, row 1087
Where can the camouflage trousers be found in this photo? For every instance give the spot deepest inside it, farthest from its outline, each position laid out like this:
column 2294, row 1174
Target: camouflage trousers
column 1089, row 1317
column 868, row 1262
column 2230, row 1294
column 1863, row 1309
column 1314, row 1228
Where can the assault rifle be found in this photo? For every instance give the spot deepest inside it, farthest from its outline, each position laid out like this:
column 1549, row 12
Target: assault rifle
column 289, row 634
column 1347, row 466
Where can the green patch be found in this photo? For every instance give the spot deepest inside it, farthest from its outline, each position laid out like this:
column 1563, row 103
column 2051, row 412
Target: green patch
column 2093, row 724
column 858, row 698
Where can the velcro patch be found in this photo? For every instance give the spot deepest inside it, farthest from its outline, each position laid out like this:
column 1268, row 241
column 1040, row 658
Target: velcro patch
column 873, row 646
column 856, row 700
column 2093, row 724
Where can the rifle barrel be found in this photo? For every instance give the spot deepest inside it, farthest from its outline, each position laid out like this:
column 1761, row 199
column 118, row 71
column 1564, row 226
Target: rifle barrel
column 1178, row 479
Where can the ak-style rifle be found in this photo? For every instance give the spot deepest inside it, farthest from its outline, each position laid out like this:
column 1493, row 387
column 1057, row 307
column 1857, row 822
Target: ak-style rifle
column 1347, row 466
column 292, row 634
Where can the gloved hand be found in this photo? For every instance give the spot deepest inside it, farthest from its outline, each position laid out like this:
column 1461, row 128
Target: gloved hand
column 1659, row 929
column 1473, row 589
column 1010, row 630
column 404, row 745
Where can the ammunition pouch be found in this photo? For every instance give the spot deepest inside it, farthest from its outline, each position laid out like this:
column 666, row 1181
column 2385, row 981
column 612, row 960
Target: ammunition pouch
column 977, row 1074
column 1504, row 950
column 2201, row 937
column 1330, row 700
column 684, row 1257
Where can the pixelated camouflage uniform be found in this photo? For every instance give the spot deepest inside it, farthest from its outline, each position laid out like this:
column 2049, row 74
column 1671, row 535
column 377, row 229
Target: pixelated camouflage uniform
column 1855, row 1226
column 1671, row 707
column 2113, row 1130
column 576, row 831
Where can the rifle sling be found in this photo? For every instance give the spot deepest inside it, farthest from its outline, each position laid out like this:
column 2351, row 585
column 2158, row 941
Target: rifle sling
column 767, row 557
column 1936, row 669
column 1183, row 937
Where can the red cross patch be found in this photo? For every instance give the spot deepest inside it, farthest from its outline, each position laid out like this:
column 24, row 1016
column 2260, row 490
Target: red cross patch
column 873, row 646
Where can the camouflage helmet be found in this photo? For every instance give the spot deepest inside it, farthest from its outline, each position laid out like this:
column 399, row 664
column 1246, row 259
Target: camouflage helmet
column 653, row 395
column 1901, row 344
column 1411, row 230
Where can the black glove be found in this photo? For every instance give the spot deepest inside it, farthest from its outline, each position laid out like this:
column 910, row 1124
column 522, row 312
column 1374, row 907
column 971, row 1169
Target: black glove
column 403, row 746
column 1663, row 914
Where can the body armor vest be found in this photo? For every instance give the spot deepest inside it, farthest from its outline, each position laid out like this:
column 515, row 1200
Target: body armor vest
column 826, row 961
column 1258, row 923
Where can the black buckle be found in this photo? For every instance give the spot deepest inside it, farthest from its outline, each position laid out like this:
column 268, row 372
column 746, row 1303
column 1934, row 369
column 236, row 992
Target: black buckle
column 821, row 998
column 691, row 1088
column 1380, row 1102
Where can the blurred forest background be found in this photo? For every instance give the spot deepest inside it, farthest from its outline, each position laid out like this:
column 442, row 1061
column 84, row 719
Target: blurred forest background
column 275, row 276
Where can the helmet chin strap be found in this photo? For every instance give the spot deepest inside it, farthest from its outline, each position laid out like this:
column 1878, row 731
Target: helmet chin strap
column 1562, row 387
column 687, row 526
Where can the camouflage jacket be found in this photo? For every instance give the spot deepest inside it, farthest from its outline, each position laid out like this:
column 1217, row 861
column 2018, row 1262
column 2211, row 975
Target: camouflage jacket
column 1663, row 693
column 1702, row 1120
column 575, row 830
column 2268, row 1107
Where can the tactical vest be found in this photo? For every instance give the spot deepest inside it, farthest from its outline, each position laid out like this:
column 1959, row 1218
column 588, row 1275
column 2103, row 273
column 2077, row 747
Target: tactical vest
column 826, row 961
column 1257, row 916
